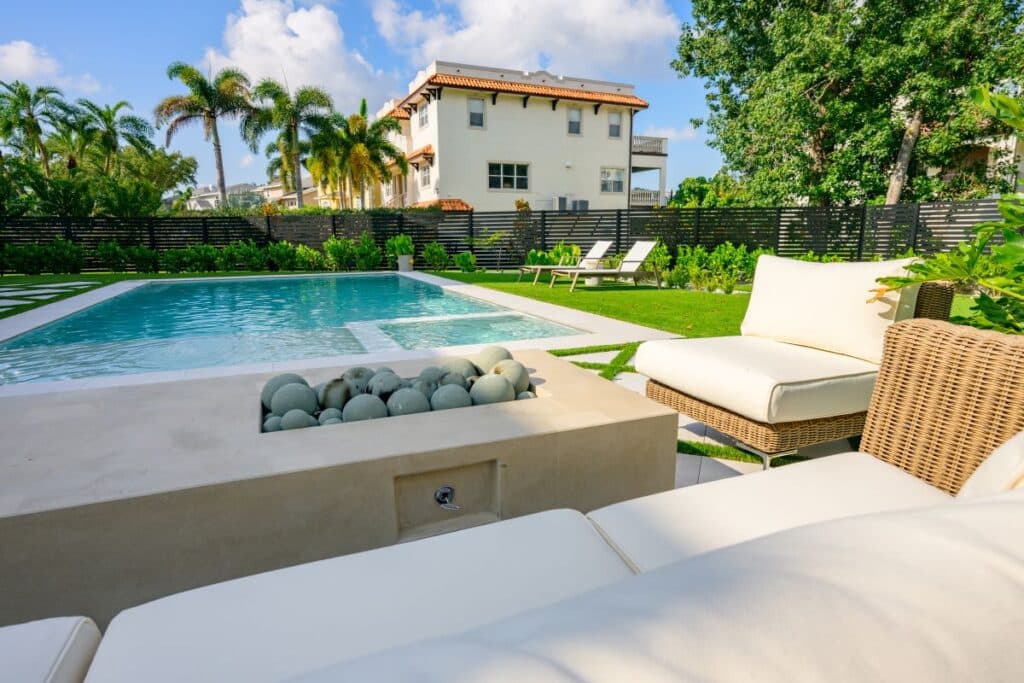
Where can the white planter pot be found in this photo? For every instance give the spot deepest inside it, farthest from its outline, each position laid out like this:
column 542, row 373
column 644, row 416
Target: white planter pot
column 592, row 282
column 404, row 263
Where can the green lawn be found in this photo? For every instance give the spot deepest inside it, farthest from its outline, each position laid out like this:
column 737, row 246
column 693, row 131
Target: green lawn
column 686, row 313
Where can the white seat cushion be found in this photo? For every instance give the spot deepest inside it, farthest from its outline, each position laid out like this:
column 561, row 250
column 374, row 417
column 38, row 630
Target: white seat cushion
column 934, row 594
column 761, row 379
column 1001, row 471
column 269, row 626
column 824, row 305
column 48, row 651
column 656, row 530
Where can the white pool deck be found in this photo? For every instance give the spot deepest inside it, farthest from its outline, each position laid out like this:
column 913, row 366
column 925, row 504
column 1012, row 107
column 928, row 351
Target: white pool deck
column 595, row 330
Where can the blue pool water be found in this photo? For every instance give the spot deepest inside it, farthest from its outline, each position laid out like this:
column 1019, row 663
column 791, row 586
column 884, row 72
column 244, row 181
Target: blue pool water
column 182, row 325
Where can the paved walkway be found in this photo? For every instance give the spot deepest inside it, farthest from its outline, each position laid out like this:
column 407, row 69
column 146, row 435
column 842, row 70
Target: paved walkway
column 19, row 295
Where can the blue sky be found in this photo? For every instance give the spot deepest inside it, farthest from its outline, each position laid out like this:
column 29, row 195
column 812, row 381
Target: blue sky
column 108, row 51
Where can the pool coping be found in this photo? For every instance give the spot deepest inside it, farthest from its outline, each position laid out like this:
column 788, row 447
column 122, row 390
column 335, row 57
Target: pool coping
column 595, row 330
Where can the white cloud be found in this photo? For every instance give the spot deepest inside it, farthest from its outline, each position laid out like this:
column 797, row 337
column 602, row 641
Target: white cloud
column 21, row 60
column 614, row 37
column 246, row 160
column 301, row 44
column 673, row 134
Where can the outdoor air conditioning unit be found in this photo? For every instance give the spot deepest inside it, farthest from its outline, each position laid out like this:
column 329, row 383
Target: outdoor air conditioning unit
column 560, row 203
column 580, row 205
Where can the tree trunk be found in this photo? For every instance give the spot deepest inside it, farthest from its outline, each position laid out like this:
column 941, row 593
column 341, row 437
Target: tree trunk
column 297, row 162
column 362, row 195
column 899, row 172
column 44, row 158
column 218, row 159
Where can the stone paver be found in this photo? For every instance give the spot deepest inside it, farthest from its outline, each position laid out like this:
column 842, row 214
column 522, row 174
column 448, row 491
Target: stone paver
column 599, row 357
column 45, row 290
column 19, row 292
column 76, row 283
column 632, row 380
column 12, row 302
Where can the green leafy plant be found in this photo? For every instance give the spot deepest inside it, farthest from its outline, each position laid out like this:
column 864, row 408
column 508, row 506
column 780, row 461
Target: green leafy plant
column 112, row 256
column 399, row 245
column 200, row 258
column 281, row 255
column 435, row 256
column 466, row 261
column 174, row 260
column 367, row 253
column 144, row 259
column 308, row 258
column 538, row 257
column 29, row 259
column 340, row 253
column 65, row 256
column 659, row 260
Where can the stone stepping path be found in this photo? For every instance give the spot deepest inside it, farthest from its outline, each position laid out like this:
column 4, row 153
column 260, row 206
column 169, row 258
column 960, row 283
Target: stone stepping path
column 20, row 295
column 8, row 303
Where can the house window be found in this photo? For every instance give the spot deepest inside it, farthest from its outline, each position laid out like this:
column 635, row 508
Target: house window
column 424, row 175
column 508, row 176
column 612, row 179
column 575, row 121
column 424, row 116
column 476, row 113
column 615, row 124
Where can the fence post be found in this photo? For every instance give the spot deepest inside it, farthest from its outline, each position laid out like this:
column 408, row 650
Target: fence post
column 778, row 230
column 696, row 226
column 863, row 227
column 471, row 235
column 334, row 224
column 206, row 231
column 618, row 231
column 151, row 233
column 914, row 227
column 543, row 230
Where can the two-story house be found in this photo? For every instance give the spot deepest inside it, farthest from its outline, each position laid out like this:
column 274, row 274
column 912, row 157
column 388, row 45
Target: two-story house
column 483, row 137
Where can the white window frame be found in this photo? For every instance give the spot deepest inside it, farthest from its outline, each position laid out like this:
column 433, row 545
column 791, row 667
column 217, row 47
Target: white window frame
column 611, row 182
column 569, row 121
column 423, row 114
column 470, row 112
column 610, row 124
column 425, row 175
column 502, row 176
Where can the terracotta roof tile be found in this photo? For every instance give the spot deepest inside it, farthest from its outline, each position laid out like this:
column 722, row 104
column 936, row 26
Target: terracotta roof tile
column 397, row 113
column 517, row 88
column 424, row 151
column 448, row 204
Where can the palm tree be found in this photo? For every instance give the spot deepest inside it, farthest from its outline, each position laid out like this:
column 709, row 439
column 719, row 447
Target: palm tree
column 327, row 145
column 112, row 128
column 368, row 154
column 23, row 113
column 281, row 163
column 225, row 95
column 288, row 114
column 73, row 138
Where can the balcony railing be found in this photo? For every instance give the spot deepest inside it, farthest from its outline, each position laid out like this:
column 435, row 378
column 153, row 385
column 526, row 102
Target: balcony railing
column 641, row 197
column 644, row 144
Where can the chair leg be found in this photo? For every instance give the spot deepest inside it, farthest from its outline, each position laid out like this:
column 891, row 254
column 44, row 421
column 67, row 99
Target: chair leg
column 520, row 278
column 553, row 276
column 575, row 277
column 536, row 277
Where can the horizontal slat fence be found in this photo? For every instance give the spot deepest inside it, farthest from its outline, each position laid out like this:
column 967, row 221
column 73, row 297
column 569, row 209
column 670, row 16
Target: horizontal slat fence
column 501, row 239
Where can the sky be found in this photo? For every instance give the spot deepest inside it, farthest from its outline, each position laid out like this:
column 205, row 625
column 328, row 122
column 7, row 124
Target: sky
column 109, row 51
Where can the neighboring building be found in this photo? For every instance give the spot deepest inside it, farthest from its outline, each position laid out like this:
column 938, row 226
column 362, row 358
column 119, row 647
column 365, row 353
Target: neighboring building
column 485, row 137
column 274, row 193
column 207, row 197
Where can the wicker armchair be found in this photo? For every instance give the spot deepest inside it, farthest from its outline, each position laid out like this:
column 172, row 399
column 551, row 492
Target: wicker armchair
column 769, row 440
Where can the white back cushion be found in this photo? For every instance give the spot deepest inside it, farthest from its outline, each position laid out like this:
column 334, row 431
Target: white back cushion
column 934, row 594
column 56, row 650
column 824, row 305
column 1001, row 471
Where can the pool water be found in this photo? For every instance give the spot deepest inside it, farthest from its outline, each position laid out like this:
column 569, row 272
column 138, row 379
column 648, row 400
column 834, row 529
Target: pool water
column 183, row 325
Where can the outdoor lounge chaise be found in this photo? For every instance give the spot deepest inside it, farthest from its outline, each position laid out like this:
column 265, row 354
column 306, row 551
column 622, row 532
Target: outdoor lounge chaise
column 592, row 259
column 876, row 572
column 802, row 370
column 630, row 267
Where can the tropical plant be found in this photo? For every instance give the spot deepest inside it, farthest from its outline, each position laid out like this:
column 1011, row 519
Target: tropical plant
column 399, row 245
column 367, row 253
column 340, row 253
column 144, row 259
column 226, row 94
column 466, row 261
column 112, row 256
column 361, row 149
column 289, row 114
column 113, row 129
column 73, row 138
column 15, row 177
column 127, row 197
column 73, row 196
column 659, row 260
column 435, row 255
column 24, row 112
column 281, row 255
column 65, row 256
column 308, row 258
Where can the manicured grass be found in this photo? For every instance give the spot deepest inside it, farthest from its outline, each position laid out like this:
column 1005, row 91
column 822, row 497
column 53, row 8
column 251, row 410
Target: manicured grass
column 686, row 313
column 712, row 450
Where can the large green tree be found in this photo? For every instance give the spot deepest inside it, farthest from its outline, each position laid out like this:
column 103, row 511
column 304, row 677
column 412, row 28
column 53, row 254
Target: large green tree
column 115, row 129
column 25, row 113
column 226, row 94
column 839, row 101
column 288, row 113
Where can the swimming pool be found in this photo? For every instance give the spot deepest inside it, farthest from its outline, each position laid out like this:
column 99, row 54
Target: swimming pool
column 165, row 325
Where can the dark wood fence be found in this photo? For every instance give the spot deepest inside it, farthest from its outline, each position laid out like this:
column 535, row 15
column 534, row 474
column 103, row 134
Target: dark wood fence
column 502, row 238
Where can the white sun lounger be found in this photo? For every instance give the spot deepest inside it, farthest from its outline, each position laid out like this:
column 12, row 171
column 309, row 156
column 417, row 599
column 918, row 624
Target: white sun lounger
column 592, row 259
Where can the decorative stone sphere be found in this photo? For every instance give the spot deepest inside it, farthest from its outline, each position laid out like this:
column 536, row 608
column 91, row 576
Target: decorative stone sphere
column 425, row 387
column 385, row 369
column 293, row 396
column 330, row 414
column 433, row 374
column 357, row 379
column 334, row 394
column 450, row 396
column 332, row 421
column 272, row 424
column 407, row 402
column 297, row 419
column 275, row 383
column 490, row 356
column 383, row 384
column 492, row 389
column 461, row 366
column 456, row 378
column 514, row 372
column 523, row 395
column 364, row 407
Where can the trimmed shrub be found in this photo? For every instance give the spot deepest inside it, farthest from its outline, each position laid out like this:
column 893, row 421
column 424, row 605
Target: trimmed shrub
column 435, row 256
column 399, row 245
column 466, row 261
column 174, row 260
column 281, row 256
column 368, row 255
column 201, row 258
column 307, row 258
column 112, row 256
column 340, row 253
column 144, row 259
column 65, row 256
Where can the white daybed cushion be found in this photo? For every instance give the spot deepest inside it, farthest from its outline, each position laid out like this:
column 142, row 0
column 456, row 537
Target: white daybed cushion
column 273, row 625
column 761, row 379
column 656, row 530
column 823, row 305
column 1001, row 471
column 933, row 594
column 54, row 650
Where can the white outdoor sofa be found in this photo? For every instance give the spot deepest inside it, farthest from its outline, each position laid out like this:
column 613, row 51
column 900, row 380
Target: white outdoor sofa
column 802, row 371
column 900, row 562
